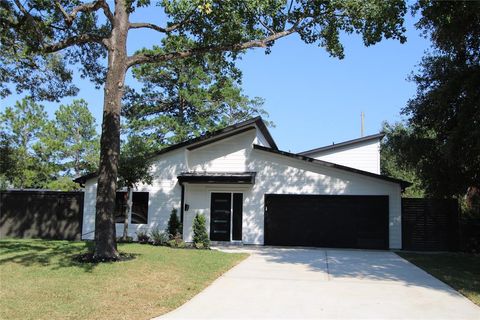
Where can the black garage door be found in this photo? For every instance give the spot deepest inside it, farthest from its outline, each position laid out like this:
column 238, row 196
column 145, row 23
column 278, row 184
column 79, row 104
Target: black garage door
column 326, row 221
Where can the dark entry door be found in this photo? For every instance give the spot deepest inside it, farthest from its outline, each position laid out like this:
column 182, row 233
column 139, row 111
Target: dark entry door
column 220, row 209
column 326, row 221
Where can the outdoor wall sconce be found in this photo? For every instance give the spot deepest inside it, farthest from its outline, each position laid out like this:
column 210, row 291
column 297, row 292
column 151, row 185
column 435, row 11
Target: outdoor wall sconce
column 187, row 206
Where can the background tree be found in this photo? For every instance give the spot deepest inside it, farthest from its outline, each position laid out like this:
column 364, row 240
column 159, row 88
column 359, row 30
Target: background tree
column 182, row 99
column 134, row 168
column 392, row 163
column 443, row 137
column 8, row 161
column 79, row 141
column 40, row 39
column 22, row 125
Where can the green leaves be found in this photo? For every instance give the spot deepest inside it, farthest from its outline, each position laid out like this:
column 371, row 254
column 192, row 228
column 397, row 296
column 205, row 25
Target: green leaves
column 134, row 167
column 181, row 99
column 444, row 116
column 43, row 153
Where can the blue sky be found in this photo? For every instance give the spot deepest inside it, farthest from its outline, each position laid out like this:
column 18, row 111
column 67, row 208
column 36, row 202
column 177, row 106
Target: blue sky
column 312, row 98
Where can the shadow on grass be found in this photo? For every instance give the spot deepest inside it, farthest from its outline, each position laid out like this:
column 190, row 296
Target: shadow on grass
column 55, row 254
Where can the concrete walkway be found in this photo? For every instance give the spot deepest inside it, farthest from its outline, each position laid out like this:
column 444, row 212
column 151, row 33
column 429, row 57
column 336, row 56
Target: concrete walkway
column 280, row 283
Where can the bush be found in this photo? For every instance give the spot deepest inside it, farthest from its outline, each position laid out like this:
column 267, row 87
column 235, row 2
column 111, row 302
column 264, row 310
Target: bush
column 177, row 242
column 174, row 225
column 200, row 235
column 158, row 237
column 199, row 246
column 142, row 237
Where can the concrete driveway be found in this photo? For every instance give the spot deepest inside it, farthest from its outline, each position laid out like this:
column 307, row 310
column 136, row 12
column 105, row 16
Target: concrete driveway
column 326, row 284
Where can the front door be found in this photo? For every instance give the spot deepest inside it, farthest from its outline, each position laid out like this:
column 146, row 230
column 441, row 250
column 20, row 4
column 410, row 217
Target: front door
column 224, row 227
column 220, row 219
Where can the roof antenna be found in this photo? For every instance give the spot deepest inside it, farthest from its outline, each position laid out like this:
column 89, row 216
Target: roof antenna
column 362, row 116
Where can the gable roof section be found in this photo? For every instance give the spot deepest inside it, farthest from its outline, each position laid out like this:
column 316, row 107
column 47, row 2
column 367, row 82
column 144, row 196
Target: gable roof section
column 208, row 138
column 214, row 136
column 343, row 144
column 403, row 184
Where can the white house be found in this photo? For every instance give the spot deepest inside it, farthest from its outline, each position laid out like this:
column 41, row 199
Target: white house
column 252, row 193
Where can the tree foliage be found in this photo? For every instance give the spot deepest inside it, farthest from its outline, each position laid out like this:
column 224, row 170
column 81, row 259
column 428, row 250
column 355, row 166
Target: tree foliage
column 134, row 167
column 392, row 163
column 75, row 130
column 41, row 41
column 41, row 153
column 182, row 99
column 22, row 127
column 443, row 142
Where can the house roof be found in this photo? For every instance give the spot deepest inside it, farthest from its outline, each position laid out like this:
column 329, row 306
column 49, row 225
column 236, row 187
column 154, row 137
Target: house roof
column 403, row 184
column 343, row 144
column 207, row 138
column 218, row 177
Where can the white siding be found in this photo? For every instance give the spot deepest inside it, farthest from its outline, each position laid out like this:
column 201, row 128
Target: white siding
column 89, row 200
column 363, row 156
column 227, row 155
column 260, row 139
column 164, row 195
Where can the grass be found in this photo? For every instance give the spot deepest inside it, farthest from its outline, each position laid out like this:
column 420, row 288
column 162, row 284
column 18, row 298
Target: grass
column 461, row 271
column 39, row 280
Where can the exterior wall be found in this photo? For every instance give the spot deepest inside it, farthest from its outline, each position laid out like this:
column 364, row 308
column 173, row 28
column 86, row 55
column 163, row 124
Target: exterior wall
column 280, row 174
column 164, row 195
column 363, row 156
column 260, row 139
column 275, row 174
column 89, row 198
column 227, row 155
column 198, row 197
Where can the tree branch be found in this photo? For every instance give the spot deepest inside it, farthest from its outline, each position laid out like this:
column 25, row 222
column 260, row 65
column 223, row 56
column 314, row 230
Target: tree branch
column 173, row 27
column 262, row 43
column 75, row 40
column 87, row 7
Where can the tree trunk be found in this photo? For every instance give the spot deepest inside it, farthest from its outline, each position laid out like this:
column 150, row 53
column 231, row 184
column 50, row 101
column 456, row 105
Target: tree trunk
column 105, row 241
column 128, row 212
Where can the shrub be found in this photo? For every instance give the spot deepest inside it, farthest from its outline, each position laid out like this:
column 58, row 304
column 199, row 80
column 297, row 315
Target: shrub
column 174, row 224
column 142, row 237
column 177, row 242
column 200, row 231
column 158, row 237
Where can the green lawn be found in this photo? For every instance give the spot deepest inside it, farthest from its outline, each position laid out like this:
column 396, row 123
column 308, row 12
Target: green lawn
column 38, row 280
column 460, row 271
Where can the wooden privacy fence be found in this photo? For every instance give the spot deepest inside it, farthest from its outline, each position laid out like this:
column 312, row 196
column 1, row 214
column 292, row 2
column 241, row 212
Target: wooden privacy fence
column 41, row 214
column 430, row 224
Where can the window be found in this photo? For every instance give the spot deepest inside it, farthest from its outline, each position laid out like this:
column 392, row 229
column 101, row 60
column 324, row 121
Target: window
column 139, row 207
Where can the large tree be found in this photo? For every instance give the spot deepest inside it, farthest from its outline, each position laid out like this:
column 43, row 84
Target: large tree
column 40, row 39
column 185, row 98
column 443, row 142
